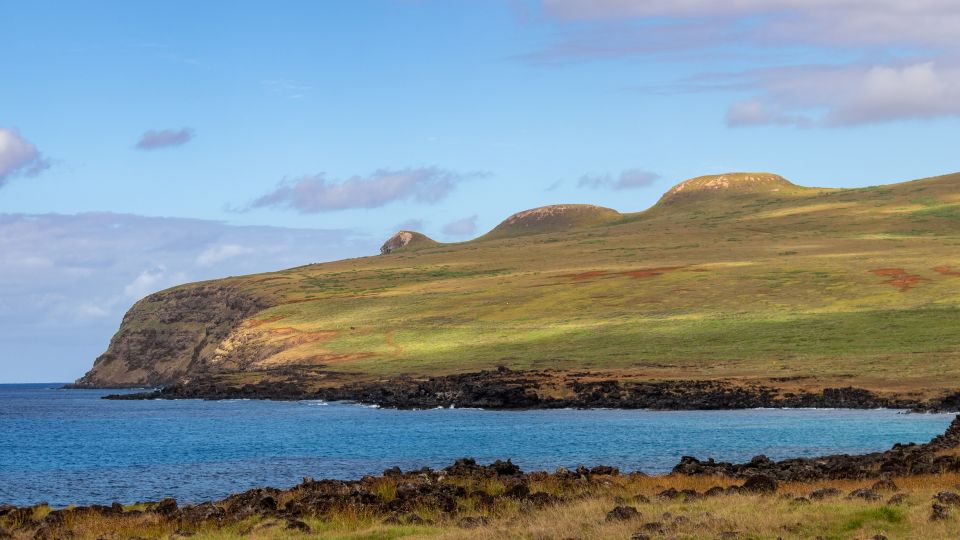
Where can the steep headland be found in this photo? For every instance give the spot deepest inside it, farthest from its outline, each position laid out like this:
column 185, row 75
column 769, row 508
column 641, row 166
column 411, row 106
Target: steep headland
column 744, row 280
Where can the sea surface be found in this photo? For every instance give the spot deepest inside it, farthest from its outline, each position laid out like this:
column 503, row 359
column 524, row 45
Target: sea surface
column 71, row 447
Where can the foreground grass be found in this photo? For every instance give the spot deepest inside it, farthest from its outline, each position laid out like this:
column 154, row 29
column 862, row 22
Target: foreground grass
column 788, row 513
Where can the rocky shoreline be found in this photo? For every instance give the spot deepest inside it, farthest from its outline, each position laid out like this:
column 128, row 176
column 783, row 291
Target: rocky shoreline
column 400, row 497
column 506, row 389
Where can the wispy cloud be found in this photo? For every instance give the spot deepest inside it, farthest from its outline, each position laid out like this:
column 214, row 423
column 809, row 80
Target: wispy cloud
column 313, row 194
column 461, row 227
column 628, row 179
column 164, row 138
column 842, row 23
column 911, row 45
column 831, row 96
column 18, row 156
column 286, row 88
column 221, row 252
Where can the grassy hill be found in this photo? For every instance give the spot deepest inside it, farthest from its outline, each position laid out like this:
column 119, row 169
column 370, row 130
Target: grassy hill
column 739, row 276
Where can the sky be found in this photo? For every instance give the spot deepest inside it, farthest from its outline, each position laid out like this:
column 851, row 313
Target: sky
column 147, row 144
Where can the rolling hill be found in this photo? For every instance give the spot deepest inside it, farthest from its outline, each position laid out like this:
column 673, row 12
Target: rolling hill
column 737, row 277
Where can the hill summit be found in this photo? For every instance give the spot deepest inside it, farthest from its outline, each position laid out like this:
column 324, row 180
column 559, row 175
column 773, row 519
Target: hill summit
column 406, row 239
column 554, row 218
column 747, row 183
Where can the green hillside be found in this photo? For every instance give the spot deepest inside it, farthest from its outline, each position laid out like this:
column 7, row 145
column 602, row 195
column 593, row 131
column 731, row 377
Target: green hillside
column 738, row 276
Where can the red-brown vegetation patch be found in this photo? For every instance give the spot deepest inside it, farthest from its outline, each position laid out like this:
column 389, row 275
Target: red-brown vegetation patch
column 391, row 341
column 899, row 277
column 583, row 276
column 644, row 273
column 946, row 271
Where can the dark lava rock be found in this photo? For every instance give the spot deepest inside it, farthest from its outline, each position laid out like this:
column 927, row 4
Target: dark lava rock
column 669, row 493
column 760, row 483
column 604, row 470
column 505, row 468
column 166, row 507
column 714, row 491
column 938, row 512
column 899, row 498
column 825, row 493
column 801, row 500
column 655, row 527
column 517, row 491
column 393, row 471
column 948, row 498
column 623, row 513
column 865, row 494
column 885, row 485
column 639, row 536
column 901, row 460
column 299, row 526
column 202, row 513
column 640, row 498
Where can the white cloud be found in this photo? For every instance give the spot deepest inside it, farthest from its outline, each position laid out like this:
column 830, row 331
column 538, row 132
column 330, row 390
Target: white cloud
column 830, row 96
column 18, row 156
column 911, row 45
column 93, row 311
column 833, row 22
column 150, row 281
column 312, row 194
column 461, row 227
column 628, row 179
column 164, row 138
column 218, row 253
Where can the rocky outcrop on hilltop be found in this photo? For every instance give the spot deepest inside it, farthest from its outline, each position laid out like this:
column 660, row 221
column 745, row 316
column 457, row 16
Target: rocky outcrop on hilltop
column 552, row 219
column 170, row 336
column 730, row 184
column 405, row 239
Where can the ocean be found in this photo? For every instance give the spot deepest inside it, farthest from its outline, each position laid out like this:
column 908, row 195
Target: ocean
column 71, row 447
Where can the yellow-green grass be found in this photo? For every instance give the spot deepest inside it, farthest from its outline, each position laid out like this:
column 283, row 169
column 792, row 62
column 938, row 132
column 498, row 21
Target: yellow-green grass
column 849, row 286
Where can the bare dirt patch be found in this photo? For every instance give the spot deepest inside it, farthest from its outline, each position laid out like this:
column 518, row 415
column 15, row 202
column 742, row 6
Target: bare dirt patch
column 898, row 277
column 583, row 276
column 946, row 271
column 391, row 340
column 644, row 273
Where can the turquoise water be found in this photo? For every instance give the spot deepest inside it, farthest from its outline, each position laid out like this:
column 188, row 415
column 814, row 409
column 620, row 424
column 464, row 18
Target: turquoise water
column 70, row 447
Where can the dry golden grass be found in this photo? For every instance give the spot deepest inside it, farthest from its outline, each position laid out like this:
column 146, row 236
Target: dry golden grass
column 583, row 516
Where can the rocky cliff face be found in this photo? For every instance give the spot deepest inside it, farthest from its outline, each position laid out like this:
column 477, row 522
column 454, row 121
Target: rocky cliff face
column 171, row 335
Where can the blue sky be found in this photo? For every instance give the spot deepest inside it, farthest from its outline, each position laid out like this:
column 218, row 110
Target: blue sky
column 231, row 137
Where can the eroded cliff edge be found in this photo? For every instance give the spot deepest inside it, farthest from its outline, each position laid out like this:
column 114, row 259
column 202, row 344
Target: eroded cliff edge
column 171, row 336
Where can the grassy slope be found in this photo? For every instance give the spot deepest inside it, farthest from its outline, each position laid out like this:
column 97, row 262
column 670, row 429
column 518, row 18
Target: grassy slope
column 796, row 283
